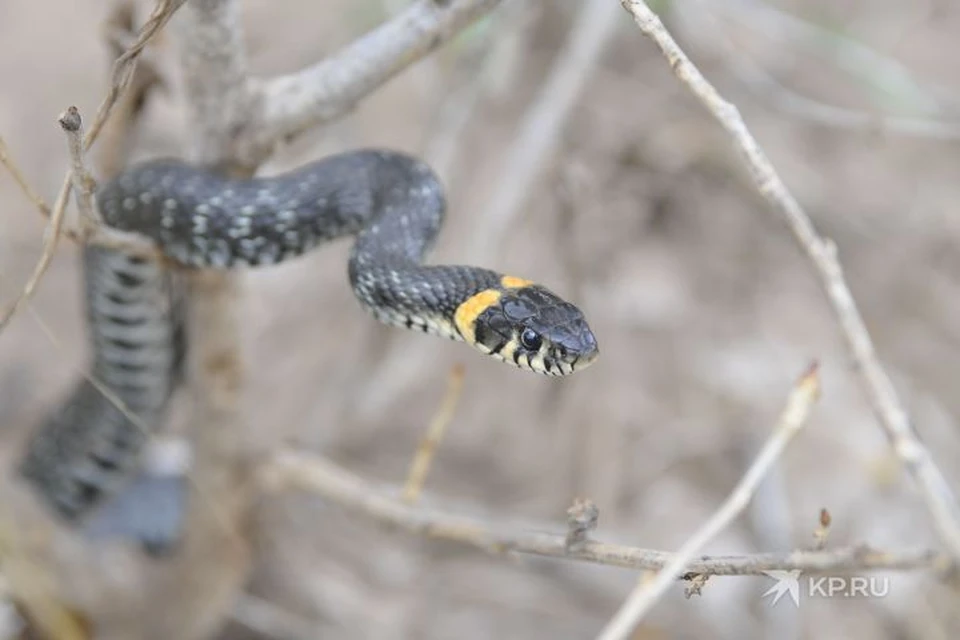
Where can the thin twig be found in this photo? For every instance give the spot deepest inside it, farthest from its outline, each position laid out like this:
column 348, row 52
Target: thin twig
column 420, row 466
column 83, row 182
column 21, row 180
column 100, row 235
column 122, row 74
column 51, row 237
column 644, row 596
column 543, row 122
column 126, row 64
column 821, row 252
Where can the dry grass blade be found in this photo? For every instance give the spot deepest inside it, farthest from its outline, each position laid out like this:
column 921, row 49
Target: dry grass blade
column 420, row 466
column 886, row 403
column 21, row 180
column 50, row 238
column 645, row 595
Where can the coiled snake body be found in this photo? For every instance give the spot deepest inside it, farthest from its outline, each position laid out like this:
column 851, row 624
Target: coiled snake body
column 391, row 202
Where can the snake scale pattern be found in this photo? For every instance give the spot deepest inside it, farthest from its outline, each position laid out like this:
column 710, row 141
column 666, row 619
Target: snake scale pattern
column 391, row 202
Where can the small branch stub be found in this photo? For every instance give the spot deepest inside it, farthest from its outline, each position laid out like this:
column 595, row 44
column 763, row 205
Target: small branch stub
column 822, row 531
column 581, row 520
column 70, row 120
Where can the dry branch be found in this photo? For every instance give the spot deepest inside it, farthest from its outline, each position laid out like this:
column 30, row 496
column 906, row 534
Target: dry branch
column 291, row 470
column 647, row 593
column 82, row 180
column 291, row 104
column 821, row 252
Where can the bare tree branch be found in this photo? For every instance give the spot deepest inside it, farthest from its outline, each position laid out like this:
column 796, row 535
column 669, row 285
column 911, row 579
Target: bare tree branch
column 291, row 104
column 799, row 404
column 289, row 470
column 201, row 582
column 821, row 252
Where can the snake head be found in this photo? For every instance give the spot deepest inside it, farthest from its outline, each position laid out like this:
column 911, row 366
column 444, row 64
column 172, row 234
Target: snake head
column 533, row 328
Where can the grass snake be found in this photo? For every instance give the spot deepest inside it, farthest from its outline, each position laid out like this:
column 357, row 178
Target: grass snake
column 391, row 202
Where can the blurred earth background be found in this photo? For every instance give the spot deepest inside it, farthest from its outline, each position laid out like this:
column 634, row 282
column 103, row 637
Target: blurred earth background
column 704, row 308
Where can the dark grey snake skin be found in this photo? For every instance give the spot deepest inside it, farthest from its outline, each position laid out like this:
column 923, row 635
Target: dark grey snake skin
column 134, row 322
column 391, row 202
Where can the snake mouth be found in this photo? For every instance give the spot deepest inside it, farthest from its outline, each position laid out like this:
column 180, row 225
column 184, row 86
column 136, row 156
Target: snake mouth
column 549, row 366
column 577, row 363
column 585, row 360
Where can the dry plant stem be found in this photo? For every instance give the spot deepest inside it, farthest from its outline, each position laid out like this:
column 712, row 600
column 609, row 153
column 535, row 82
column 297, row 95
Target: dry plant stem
column 290, row 470
column 120, row 79
column 126, row 64
column 645, row 595
column 420, row 466
column 51, row 237
column 100, row 236
column 936, row 492
column 543, row 121
column 82, row 180
column 291, row 104
column 21, row 180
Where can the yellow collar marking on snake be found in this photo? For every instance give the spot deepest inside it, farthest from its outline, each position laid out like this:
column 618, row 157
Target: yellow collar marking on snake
column 513, row 282
column 470, row 309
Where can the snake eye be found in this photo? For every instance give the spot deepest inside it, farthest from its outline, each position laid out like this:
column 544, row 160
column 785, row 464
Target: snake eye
column 530, row 339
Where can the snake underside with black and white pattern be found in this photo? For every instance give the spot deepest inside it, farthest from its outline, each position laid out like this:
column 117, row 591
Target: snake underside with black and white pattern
column 393, row 204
